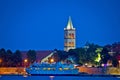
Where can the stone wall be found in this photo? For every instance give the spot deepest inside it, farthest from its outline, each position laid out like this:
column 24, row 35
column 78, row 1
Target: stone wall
column 12, row 70
column 93, row 70
column 89, row 70
column 113, row 70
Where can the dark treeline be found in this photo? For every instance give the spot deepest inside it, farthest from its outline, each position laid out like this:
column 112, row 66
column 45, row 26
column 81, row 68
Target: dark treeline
column 10, row 59
column 91, row 54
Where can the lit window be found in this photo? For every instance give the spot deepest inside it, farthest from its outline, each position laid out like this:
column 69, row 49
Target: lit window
column 72, row 43
column 60, row 69
column 69, row 43
column 69, row 35
column 72, row 35
column 48, row 68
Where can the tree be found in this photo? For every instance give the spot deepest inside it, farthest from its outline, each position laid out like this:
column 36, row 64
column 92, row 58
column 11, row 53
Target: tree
column 73, row 54
column 85, row 55
column 98, row 57
column 31, row 55
column 62, row 55
column 105, row 56
column 9, row 58
column 2, row 57
column 17, row 58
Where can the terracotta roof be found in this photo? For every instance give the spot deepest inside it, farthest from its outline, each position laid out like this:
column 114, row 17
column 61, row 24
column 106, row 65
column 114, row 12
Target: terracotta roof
column 39, row 54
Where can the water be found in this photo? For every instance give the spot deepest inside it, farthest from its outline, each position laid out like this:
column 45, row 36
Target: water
column 13, row 77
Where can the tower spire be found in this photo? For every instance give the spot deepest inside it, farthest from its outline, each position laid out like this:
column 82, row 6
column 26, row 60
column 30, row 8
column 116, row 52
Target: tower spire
column 69, row 25
column 69, row 36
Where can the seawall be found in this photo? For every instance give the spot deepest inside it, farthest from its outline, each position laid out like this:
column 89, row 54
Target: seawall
column 94, row 70
column 12, row 70
column 88, row 70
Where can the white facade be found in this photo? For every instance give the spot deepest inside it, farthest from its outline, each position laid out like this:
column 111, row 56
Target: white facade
column 69, row 36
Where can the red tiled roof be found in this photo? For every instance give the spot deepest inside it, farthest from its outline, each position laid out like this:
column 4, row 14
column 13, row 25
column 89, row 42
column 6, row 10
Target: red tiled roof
column 39, row 54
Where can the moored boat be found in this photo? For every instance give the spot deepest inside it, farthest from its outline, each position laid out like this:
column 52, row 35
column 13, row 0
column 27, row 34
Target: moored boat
column 52, row 69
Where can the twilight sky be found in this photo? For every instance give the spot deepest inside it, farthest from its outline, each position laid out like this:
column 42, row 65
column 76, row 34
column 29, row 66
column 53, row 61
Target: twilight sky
column 39, row 24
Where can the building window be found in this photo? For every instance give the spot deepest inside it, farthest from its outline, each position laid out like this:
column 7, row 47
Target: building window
column 69, row 43
column 72, row 43
column 72, row 35
column 65, row 35
column 69, row 35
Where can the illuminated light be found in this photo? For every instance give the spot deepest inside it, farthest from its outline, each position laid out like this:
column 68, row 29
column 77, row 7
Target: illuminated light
column 86, row 64
column 52, row 60
column 66, row 68
column 25, row 60
column 51, row 77
column 75, row 65
column 60, row 69
column 48, row 68
column 44, row 68
column 25, row 76
column 37, row 68
column 98, row 58
column 102, row 65
column 119, row 61
column 0, row 60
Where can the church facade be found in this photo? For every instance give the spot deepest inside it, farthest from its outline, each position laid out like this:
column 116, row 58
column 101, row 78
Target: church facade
column 69, row 36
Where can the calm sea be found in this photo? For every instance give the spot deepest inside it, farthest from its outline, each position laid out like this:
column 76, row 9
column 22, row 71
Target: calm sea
column 12, row 77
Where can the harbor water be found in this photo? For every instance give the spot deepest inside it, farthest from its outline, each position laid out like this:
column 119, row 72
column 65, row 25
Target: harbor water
column 25, row 77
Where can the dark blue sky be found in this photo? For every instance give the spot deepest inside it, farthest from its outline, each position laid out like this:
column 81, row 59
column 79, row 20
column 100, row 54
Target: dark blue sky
column 39, row 24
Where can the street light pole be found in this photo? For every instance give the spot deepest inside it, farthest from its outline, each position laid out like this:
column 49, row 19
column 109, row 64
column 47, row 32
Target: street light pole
column 119, row 63
column 25, row 62
column 0, row 62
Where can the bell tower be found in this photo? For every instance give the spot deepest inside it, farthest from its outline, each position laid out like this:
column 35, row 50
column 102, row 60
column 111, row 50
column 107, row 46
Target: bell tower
column 69, row 36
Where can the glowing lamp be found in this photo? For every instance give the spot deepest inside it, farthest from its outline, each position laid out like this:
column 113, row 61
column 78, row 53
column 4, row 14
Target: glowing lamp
column 52, row 60
column 0, row 60
column 25, row 60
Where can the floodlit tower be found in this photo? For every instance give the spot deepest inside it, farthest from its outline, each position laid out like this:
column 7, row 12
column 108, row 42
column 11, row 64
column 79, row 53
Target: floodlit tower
column 69, row 36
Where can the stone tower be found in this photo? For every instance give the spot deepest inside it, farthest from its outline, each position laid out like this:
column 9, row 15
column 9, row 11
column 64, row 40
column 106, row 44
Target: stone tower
column 69, row 36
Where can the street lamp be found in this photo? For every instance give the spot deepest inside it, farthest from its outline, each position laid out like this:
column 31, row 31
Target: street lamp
column 52, row 60
column 25, row 62
column 0, row 60
column 119, row 63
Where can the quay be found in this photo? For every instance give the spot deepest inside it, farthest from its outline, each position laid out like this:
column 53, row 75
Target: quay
column 89, row 71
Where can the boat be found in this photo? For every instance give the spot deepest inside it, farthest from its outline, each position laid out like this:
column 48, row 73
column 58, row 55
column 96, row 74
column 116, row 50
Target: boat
column 52, row 69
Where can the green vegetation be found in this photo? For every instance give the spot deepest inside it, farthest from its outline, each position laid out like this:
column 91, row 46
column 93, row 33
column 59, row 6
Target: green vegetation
column 89, row 55
column 93, row 55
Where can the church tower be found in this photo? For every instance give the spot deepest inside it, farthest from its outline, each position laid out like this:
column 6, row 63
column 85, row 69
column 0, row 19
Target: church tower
column 69, row 36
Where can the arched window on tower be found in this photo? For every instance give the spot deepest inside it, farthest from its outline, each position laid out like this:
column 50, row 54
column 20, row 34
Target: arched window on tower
column 65, row 36
column 72, row 35
column 69, row 43
column 65, row 43
column 72, row 43
column 69, row 35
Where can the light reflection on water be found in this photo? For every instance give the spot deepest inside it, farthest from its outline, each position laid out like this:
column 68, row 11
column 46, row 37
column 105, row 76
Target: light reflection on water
column 51, row 77
column 56, row 78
